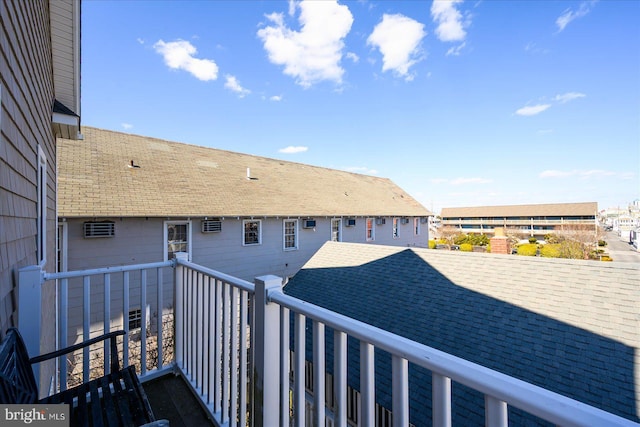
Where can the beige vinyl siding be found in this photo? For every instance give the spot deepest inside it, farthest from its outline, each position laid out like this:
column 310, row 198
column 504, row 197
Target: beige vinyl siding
column 27, row 98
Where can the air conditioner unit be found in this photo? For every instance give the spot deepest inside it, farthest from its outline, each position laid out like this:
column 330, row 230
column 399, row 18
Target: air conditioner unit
column 211, row 226
column 404, row 220
column 309, row 223
column 424, row 220
column 350, row 222
column 381, row 221
column 99, row 229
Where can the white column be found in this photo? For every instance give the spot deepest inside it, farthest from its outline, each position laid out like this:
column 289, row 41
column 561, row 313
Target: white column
column 266, row 380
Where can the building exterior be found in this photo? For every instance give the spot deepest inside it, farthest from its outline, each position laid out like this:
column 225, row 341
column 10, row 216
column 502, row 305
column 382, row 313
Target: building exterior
column 566, row 325
column 127, row 199
column 531, row 220
column 39, row 100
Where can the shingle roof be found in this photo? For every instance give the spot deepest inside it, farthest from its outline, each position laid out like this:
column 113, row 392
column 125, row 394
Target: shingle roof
column 96, row 179
column 553, row 209
column 569, row 326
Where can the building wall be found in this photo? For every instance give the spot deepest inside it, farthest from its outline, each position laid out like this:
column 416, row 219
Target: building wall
column 26, row 97
column 139, row 240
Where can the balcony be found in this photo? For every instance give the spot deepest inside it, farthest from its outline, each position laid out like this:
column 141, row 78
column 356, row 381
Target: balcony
column 252, row 355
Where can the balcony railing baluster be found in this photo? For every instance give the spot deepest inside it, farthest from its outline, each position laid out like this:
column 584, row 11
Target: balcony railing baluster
column 299, row 371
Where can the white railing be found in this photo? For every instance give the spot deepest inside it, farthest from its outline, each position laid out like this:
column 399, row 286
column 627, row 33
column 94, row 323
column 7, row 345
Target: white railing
column 213, row 337
column 91, row 302
column 232, row 344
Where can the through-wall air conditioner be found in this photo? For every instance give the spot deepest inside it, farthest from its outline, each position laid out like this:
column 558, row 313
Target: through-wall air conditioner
column 309, row 223
column 404, row 220
column 95, row 229
column 381, row 221
column 350, row 222
column 211, row 226
column 424, row 220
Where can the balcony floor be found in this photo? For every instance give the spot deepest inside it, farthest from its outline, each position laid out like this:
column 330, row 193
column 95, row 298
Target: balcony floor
column 171, row 399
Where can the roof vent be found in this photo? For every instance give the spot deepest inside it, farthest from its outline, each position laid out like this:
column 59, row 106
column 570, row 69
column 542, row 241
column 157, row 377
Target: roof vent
column 211, row 226
column 99, row 229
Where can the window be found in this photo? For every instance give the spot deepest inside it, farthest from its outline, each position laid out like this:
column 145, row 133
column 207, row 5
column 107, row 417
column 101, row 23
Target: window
column 135, row 319
column 178, row 238
column 290, row 234
column 416, row 226
column 370, row 230
column 252, row 232
column 42, row 207
column 336, row 226
column 395, row 230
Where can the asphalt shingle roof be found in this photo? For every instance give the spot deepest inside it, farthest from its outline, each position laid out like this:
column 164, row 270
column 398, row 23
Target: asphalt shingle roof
column 569, row 326
column 98, row 179
column 552, row 209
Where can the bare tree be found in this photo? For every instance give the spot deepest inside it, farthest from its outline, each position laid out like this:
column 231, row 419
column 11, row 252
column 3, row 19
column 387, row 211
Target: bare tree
column 579, row 240
column 448, row 233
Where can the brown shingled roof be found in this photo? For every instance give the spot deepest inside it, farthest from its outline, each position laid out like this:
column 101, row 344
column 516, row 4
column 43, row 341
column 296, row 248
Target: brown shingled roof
column 96, row 179
column 554, row 209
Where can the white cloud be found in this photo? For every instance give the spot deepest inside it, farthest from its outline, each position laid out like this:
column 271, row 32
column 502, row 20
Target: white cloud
column 532, row 110
column 293, row 150
column 449, row 20
column 276, row 98
column 352, row 56
column 362, row 170
column 312, row 54
column 583, row 174
column 139, row 40
column 233, row 85
column 179, row 55
column 455, row 51
column 398, row 39
column 569, row 15
column 127, row 126
column 476, row 180
column 569, row 96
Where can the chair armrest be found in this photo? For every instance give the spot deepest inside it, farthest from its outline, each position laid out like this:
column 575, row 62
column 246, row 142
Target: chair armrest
column 112, row 336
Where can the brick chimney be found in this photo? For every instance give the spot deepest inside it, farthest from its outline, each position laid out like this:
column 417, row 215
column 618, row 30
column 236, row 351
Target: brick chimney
column 499, row 242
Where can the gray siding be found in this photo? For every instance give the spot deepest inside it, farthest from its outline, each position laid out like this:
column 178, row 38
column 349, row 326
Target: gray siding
column 26, row 98
column 139, row 240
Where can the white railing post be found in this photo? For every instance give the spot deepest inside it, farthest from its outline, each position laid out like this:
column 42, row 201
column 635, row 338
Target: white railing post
column 495, row 412
column 30, row 302
column 441, row 392
column 179, row 308
column 267, row 355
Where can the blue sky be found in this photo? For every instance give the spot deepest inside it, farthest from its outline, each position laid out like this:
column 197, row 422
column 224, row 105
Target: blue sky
column 461, row 103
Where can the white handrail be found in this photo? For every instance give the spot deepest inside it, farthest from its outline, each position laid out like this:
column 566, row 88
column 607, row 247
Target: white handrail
column 535, row 400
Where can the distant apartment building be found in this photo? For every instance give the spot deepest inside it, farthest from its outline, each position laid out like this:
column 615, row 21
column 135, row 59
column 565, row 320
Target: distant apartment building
column 533, row 220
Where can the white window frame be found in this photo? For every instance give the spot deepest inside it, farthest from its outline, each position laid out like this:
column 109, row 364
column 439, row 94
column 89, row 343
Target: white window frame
column 244, row 224
column 395, row 228
column 166, row 238
column 41, row 238
column 370, row 229
column 416, row 226
column 62, row 246
column 338, row 232
column 135, row 316
column 295, row 235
